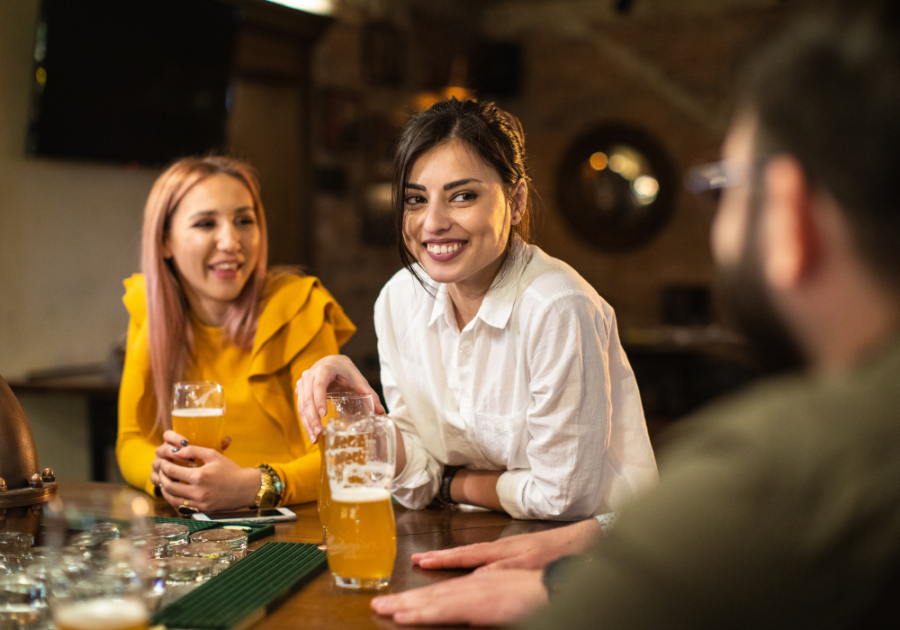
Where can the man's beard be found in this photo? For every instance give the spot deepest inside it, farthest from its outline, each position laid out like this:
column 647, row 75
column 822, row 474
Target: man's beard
column 750, row 305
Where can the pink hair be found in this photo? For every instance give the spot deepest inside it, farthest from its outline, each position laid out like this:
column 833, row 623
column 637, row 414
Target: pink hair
column 167, row 306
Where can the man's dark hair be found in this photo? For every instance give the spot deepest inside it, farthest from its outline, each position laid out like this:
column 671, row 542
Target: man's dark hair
column 491, row 133
column 827, row 90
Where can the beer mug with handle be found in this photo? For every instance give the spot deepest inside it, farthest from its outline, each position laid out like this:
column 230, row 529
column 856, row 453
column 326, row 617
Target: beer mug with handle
column 346, row 407
column 362, row 535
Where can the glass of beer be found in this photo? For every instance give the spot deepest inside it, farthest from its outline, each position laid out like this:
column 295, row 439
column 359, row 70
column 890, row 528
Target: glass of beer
column 361, row 532
column 346, row 408
column 103, row 612
column 111, row 594
column 198, row 414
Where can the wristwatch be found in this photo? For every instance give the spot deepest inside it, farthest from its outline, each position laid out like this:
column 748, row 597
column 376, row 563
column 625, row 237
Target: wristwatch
column 443, row 496
column 268, row 495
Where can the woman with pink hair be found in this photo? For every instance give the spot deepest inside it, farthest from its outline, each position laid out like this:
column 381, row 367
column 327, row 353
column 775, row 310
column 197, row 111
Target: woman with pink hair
column 206, row 309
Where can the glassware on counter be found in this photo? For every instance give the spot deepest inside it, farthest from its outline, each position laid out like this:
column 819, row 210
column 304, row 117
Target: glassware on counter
column 221, row 553
column 175, row 533
column 235, row 538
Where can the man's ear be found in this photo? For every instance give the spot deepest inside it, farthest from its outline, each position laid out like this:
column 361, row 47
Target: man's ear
column 790, row 239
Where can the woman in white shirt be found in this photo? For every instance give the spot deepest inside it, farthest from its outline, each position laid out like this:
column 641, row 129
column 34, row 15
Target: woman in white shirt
column 501, row 366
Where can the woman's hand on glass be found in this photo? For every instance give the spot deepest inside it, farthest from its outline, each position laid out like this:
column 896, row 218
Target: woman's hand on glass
column 219, row 484
column 170, row 450
column 331, row 373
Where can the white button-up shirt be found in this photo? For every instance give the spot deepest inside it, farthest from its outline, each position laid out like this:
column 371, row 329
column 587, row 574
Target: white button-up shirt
column 537, row 384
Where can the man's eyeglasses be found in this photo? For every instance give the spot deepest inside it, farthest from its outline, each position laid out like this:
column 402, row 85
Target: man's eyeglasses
column 715, row 176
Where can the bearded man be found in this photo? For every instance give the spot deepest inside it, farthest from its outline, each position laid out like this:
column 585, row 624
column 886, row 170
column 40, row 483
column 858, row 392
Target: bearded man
column 779, row 507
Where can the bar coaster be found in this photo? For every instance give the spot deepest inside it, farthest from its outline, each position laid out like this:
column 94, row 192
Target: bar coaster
column 255, row 531
column 239, row 597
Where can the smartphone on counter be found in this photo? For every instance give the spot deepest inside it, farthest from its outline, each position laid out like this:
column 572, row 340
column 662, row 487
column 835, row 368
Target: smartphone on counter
column 270, row 515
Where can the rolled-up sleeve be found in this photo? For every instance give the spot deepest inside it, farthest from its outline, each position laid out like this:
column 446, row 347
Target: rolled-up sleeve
column 418, row 483
column 569, row 414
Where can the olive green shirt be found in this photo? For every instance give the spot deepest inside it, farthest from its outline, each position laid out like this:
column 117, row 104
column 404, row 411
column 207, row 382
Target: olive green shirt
column 779, row 508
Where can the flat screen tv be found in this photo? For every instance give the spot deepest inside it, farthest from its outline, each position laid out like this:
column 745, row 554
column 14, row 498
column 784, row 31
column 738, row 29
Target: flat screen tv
column 130, row 81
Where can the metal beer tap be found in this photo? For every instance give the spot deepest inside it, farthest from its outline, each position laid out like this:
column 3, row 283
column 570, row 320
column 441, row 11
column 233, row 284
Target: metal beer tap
column 23, row 490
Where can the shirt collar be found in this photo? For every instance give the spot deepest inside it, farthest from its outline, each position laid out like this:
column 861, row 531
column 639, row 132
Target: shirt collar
column 441, row 302
column 497, row 306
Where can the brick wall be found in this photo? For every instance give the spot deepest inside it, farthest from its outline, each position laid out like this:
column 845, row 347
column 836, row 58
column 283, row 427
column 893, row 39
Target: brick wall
column 667, row 75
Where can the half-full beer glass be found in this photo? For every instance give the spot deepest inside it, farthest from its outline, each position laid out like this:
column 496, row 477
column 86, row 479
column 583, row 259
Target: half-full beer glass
column 361, row 533
column 346, row 408
column 111, row 592
column 198, row 413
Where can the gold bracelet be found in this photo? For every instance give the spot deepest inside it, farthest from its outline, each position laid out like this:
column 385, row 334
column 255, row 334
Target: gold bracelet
column 267, row 496
column 276, row 479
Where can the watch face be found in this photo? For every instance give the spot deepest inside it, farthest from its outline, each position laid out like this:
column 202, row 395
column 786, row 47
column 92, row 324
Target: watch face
column 267, row 495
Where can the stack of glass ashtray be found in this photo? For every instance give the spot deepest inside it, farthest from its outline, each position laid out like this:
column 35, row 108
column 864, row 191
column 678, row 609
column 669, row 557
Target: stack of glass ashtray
column 182, row 575
column 173, row 532
column 154, row 547
column 234, row 538
column 221, row 553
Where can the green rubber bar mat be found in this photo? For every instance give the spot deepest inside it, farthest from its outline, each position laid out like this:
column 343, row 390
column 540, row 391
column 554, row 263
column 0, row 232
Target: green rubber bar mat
column 239, row 596
column 255, row 531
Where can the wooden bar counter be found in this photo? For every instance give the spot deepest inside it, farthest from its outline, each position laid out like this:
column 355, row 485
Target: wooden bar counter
column 320, row 604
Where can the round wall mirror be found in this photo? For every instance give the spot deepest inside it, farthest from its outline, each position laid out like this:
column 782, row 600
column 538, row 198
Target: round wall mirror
column 616, row 187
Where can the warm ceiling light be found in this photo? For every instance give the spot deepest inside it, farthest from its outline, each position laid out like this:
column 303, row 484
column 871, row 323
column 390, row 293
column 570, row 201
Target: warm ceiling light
column 424, row 100
column 599, row 161
column 460, row 93
column 624, row 165
column 322, row 7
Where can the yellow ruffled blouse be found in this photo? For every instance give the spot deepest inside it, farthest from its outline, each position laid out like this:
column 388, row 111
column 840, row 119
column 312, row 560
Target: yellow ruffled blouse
column 299, row 323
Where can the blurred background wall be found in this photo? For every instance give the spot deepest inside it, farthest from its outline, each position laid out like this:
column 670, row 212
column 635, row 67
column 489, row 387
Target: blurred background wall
column 69, row 231
column 316, row 104
column 69, row 234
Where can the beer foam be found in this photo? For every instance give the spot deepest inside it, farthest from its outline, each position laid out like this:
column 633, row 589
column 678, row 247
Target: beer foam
column 361, row 494
column 347, row 475
column 101, row 614
column 198, row 412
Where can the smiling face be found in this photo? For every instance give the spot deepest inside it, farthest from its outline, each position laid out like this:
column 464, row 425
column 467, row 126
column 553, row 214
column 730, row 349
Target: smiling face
column 457, row 217
column 214, row 241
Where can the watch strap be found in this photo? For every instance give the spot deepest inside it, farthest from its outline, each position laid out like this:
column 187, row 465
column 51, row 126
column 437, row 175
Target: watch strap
column 446, row 481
